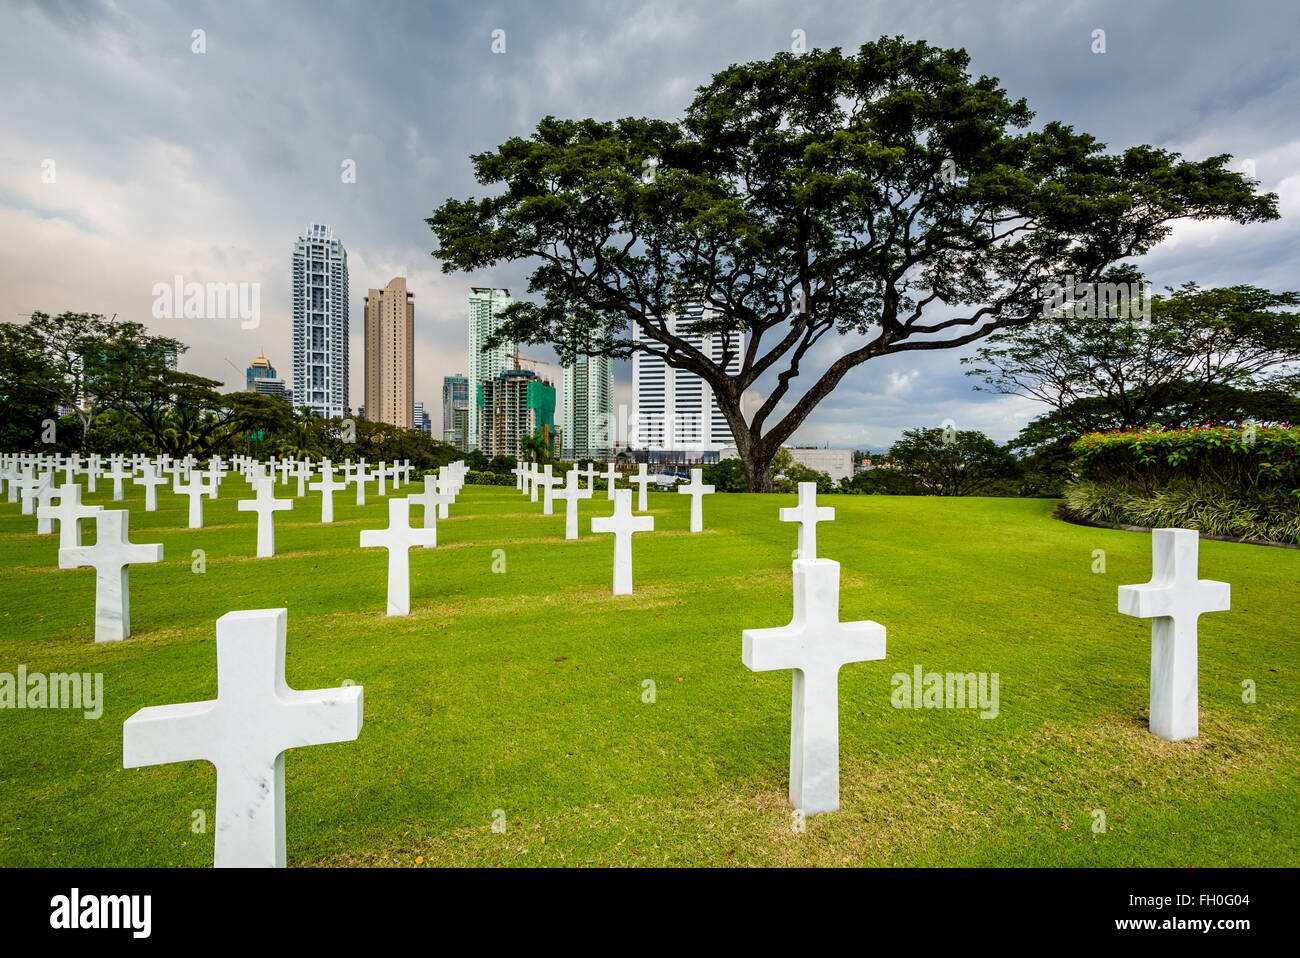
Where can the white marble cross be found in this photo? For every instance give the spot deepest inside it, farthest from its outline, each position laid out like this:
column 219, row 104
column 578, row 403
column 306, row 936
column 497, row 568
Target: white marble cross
column 398, row 539
column 9, row 473
column 434, row 504
column 533, row 475
column 640, row 479
column 111, row 554
column 117, row 473
column 70, row 468
column 302, row 471
column 815, row 645
column 196, row 489
column 151, row 479
column 520, row 472
column 447, row 487
column 611, row 480
column 380, row 473
column 548, row 483
column 590, row 473
column 69, row 513
column 245, row 732
column 45, row 495
column 266, row 506
column 696, row 489
column 360, row 477
column 1174, row 600
column 327, row 485
column 623, row 524
column 28, row 485
column 807, row 514
column 571, row 493
column 93, row 470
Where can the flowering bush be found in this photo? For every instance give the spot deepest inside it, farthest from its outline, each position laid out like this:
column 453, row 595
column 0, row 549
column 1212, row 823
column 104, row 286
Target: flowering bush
column 1230, row 457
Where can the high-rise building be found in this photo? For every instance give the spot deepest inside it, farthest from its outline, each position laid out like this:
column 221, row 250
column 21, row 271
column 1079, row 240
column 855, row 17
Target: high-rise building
column 455, row 406
column 675, row 415
column 260, row 378
column 516, row 404
column 586, row 419
column 390, row 364
column 485, row 306
column 320, row 322
column 420, row 419
column 259, row 368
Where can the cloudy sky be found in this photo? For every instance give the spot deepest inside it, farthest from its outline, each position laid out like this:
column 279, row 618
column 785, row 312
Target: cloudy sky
column 168, row 161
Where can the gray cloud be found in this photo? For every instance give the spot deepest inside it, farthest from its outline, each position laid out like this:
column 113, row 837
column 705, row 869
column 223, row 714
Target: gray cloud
column 209, row 165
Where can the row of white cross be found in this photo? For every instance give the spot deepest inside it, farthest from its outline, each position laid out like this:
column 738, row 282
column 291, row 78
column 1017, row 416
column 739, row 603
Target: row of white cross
column 113, row 552
column 255, row 718
column 27, row 471
column 529, row 478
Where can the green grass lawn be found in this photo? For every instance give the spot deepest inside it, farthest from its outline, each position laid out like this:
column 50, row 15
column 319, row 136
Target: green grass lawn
column 522, row 692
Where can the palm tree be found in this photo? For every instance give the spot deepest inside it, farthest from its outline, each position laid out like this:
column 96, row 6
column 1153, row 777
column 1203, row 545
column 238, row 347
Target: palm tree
column 534, row 449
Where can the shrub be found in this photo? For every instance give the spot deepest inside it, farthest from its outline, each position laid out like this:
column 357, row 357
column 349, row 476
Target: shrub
column 1272, row 514
column 1228, row 457
column 475, row 478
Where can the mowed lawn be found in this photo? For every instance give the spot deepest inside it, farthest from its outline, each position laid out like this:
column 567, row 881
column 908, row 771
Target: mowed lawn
column 518, row 696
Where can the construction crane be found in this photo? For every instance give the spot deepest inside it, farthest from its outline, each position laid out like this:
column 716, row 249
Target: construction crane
column 524, row 359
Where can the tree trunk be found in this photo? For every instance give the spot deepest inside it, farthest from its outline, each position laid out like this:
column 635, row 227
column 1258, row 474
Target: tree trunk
column 87, row 422
column 758, row 468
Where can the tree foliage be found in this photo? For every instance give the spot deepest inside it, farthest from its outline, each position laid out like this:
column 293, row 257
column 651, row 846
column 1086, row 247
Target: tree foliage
column 1214, row 355
column 887, row 197
column 950, row 464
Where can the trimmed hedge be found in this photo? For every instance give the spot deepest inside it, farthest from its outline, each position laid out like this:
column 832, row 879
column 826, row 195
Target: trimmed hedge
column 472, row 478
column 1223, row 480
column 1229, row 457
column 1244, row 514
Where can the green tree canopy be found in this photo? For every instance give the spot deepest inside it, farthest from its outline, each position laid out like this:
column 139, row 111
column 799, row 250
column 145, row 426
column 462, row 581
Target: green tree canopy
column 1214, row 355
column 950, row 463
column 889, row 197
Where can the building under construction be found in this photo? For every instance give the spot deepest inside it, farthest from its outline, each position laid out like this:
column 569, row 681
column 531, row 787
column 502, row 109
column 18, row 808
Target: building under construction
column 514, row 405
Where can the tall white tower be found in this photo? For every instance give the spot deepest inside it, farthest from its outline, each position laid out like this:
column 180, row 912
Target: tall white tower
column 320, row 322
column 586, row 427
column 674, row 411
column 485, row 306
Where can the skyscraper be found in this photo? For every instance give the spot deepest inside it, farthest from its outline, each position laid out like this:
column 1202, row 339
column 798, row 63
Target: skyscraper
column 676, row 417
column 320, row 322
column 420, row 419
column 390, row 367
column 455, row 409
column 260, row 378
column 588, row 406
column 517, row 404
column 259, row 368
column 485, row 306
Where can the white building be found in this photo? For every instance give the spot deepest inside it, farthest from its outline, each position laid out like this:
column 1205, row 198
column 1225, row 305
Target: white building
column 485, row 306
column 320, row 322
column 588, row 406
column 674, row 413
column 420, row 419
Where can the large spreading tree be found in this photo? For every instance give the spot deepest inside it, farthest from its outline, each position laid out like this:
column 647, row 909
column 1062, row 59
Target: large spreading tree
column 888, row 198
